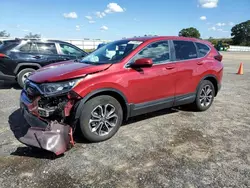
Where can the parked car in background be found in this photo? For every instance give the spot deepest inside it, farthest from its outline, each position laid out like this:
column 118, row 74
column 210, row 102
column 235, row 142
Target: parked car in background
column 122, row 79
column 101, row 45
column 20, row 57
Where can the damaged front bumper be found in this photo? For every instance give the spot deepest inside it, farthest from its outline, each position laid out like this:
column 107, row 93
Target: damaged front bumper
column 41, row 132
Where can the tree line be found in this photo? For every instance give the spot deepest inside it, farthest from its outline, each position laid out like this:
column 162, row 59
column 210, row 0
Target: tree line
column 240, row 35
column 28, row 36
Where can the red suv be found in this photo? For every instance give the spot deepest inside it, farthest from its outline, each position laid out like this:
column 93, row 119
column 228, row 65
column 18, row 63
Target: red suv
column 122, row 79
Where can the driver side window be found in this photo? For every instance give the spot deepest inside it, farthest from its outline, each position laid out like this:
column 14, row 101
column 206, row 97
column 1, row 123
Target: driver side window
column 159, row 52
column 69, row 50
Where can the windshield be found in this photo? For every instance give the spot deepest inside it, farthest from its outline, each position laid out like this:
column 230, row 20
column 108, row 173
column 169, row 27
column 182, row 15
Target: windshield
column 112, row 52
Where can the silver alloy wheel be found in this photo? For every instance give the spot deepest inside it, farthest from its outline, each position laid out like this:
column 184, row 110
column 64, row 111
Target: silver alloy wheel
column 206, row 95
column 25, row 76
column 103, row 119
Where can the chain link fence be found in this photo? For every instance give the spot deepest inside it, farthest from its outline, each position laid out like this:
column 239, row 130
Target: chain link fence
column 86, row 44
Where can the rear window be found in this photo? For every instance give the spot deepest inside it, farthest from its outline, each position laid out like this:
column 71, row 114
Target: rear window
column 1, row 44
column 202, row 49
column 8, row 45
column 184, row 50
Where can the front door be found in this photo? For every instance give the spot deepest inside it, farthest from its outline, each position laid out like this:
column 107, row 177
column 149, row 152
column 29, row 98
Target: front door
column 153, row 88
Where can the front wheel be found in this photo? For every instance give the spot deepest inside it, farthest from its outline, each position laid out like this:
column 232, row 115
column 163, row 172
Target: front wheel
column 101, row 118
column 204, row 96
column 23, row 75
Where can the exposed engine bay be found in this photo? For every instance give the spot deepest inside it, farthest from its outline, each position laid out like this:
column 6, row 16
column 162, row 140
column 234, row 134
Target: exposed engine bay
column 52, row 107
column 47, row 117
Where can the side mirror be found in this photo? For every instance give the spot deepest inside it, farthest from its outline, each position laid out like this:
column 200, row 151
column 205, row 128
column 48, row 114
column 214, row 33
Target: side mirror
column 143, row 62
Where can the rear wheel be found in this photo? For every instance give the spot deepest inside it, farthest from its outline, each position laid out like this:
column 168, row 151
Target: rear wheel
column 101, row 118
column 204, row 96
column 23, row 75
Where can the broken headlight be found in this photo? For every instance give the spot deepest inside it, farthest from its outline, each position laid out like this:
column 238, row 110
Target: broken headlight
column 58, row 88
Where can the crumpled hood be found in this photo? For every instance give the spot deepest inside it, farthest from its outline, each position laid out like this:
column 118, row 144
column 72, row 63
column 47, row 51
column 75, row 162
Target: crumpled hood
column 65, row 70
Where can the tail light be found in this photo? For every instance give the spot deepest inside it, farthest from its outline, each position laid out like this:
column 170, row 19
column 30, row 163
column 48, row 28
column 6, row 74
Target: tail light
column 218, row 57
column 3, row 56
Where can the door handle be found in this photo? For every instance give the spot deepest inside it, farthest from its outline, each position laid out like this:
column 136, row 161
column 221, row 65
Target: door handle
column 200, row 63
column 37, row 57
column 170, row 67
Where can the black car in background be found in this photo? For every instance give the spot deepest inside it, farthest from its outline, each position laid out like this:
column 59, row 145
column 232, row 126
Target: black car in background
column 20, row 57
column 101, row 45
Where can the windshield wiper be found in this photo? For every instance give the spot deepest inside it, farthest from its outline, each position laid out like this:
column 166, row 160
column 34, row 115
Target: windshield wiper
column 77, row 60
column 87, row 62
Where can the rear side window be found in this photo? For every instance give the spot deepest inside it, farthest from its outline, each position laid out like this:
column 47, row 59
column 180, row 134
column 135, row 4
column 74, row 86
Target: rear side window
column 202, row 49
column 42, row 48
column 47, row 48
column 184, row 50
column 29, row 47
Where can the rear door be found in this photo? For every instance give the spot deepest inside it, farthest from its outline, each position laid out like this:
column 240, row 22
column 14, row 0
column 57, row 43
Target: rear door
column 36, row 52
column 69, row 52
column 48, row 53
column 189, row 69
column 26, row 54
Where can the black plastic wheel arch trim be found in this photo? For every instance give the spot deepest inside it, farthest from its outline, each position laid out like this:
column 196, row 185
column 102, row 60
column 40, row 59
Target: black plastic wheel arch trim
column 209, row 76
column 88, row 96
column 26, row 64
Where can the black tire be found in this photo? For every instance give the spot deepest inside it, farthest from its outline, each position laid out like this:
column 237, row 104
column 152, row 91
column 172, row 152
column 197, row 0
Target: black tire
column 204, row 105
column 21, row 74
column 86, row 116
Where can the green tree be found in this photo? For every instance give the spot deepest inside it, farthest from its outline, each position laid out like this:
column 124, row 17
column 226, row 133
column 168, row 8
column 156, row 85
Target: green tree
column 223, row 41
column 190, row 32
column 32, row 36
column 4, row 34
column 241, row 33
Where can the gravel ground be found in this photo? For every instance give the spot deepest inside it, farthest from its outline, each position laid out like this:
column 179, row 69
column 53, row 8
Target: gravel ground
column 169, row 148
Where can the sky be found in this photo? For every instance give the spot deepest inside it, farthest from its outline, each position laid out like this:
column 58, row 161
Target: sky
column 115, row 19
